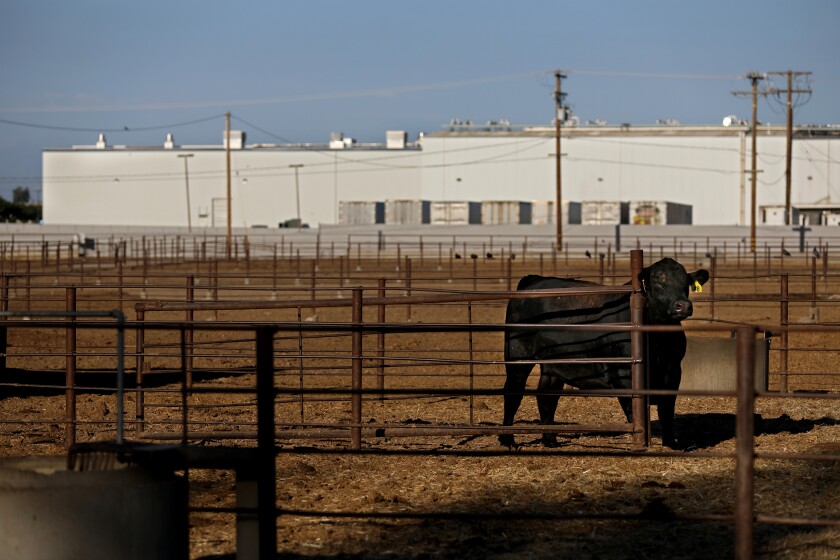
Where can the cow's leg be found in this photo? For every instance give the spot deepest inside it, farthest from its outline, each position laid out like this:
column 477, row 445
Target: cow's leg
column 517, row 376
column 627, row 406
column 665, row 407
column 547, row 398
column 670, row 375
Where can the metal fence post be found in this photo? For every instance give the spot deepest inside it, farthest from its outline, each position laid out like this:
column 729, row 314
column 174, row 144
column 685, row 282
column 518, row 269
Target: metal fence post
column 380, row 342
column 70, row 371
column 139, row 410
column 28, row 285
column 783, row 321
column 4, row 334
column 188, row 334
column 408, row 285
column 712, row 278
column 356, row 372
column 266, row 471
column 745, row 445
column 472, row 363
column 641, row 431
column 600, row 268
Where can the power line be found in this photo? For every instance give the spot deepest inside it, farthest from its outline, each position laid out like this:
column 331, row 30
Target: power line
column 680, row 76
column 376, row 92
column 330, row 96
column 334, row 155
column 281, row 170
column 791, row 75
column 123, row 129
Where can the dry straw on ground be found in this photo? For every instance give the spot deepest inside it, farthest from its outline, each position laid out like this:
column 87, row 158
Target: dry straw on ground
column 490, row 506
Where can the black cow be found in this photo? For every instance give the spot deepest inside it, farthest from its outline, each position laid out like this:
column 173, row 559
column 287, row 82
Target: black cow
column 665, row 285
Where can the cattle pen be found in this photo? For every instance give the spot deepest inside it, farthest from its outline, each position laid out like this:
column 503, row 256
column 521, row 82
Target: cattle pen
column 358, row 386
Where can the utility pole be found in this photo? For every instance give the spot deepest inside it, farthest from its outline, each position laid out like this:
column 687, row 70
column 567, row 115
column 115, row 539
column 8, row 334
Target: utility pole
column 559, row 117
column 228, row 241
column 297, row 166
column 187, row 181
column 754, row 77
column 789, row 152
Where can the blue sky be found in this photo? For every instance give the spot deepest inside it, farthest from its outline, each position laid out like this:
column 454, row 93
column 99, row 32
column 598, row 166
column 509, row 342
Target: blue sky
column 300, row 70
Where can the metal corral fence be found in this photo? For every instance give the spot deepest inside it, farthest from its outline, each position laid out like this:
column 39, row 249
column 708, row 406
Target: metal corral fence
column 257, row 401
column 240, row 331
column 52, row 245
column 799, row 287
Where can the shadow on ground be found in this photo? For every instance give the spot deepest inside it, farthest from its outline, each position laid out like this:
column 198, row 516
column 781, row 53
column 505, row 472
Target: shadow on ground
column 701, row 431
column 486, row 527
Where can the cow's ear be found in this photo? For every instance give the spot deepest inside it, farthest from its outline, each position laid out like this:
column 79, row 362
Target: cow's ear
column 699, row 277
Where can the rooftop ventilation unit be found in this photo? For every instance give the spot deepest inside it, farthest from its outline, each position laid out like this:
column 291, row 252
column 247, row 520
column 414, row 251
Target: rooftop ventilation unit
column 336, row 140
column 237, row 140
column 395, row 139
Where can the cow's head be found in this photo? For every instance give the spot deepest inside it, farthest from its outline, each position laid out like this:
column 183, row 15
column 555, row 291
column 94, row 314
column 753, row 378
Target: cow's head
column 666, row 285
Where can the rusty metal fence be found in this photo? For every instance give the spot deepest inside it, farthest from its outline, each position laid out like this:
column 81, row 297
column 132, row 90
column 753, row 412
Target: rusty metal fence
column 263, row 371
column 201, row 344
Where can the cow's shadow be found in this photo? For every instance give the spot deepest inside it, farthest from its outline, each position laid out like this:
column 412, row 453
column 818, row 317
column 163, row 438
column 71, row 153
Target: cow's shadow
column 701, row 431
column 705, row 430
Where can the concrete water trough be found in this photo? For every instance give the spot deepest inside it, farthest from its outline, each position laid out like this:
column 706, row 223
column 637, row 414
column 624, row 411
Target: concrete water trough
column 711, row 364
column 113, row 510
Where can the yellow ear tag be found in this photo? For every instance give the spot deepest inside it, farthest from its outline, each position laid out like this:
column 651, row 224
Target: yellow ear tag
column 697, row 287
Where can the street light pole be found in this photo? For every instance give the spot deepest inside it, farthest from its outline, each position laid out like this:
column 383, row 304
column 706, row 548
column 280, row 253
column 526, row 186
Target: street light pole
column 297, row 166
column 187, row 181
column 228, row 240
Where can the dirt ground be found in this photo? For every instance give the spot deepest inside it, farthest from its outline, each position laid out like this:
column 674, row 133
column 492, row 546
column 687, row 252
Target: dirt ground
column 473, row 505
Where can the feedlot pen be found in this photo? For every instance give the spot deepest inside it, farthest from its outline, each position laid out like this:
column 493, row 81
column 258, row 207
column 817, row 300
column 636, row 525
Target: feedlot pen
column 402, row 459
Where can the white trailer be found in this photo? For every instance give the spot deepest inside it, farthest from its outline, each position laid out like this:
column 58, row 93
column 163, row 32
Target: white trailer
column 455, row 212
column 659, row 212
column 407, row 212
column 361, row 212
column 496, row 212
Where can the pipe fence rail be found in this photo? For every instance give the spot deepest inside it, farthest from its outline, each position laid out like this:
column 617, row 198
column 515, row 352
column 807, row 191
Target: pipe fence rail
column 240, row 333
column 264, row 372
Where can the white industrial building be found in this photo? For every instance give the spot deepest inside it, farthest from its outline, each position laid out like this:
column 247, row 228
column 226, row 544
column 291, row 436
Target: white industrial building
column 704, row 167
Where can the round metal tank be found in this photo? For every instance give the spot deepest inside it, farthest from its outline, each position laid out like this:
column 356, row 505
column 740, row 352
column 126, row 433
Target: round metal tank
column 118, row 511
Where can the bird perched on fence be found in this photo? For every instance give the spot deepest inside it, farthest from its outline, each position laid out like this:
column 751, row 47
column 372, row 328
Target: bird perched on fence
column 816, row 252
column 588, row 254
column 489, row 255
column 785, row 252
column 473, row 256
column 457, row 256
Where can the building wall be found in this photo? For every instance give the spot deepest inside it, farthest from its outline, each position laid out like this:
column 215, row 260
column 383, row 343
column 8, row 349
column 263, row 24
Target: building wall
column 487, row 168
column 707, row 169
column 119, row 187
column 148, row 187
column 701, row 167
column 683, row 170
column 816, row 170
column 691, row 170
